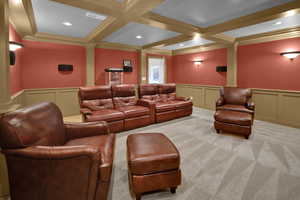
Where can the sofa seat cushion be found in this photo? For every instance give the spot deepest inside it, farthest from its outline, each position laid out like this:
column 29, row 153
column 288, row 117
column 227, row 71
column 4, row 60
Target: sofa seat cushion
column 107, row 115
column 232, row 107
column 149, row 153
column 106, row 144
column 164, row 106
column 134, row 111
column 182, row 104
column 233, row 117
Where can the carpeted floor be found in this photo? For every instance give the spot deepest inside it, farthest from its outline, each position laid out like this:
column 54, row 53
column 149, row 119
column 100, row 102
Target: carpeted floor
column 223, row 167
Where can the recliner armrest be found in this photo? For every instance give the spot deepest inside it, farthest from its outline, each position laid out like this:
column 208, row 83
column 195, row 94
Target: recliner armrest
column 220, row 102
column 85, row 111
column 85, row 129
column 250, row 105
column 184, row 98
column 151, row 105
column 55, row 152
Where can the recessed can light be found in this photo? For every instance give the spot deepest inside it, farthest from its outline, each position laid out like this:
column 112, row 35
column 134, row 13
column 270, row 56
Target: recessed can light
column 139, row 37
column 67, row 23
column 182, row 45
column 278, row 23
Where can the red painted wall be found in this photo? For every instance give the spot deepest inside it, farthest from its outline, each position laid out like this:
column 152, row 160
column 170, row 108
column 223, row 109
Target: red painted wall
column 105, row 58
column 15, row 70
column 184, row 70
column 40, row 61
column 169, row 64
column 261, row 66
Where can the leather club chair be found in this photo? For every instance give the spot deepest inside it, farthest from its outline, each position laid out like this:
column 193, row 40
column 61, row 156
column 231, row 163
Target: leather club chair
column 96, row 104
column 167, row 105
column 138, row 113
column 234, row 111
column 49, row 159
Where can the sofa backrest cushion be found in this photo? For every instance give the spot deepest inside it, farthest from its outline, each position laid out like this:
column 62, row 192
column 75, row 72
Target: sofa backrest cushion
column 41, row 124
column 149, row 92
column 234, row 95
column 124, row 95
column 96, row 97
column 167, row 92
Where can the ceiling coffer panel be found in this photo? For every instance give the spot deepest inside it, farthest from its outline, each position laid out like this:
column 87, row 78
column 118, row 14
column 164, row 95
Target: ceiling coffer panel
column 205, row 13
column 139, row 35
column 60, row 19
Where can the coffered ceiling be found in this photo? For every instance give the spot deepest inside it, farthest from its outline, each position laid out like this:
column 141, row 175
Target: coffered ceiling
column 164, row 24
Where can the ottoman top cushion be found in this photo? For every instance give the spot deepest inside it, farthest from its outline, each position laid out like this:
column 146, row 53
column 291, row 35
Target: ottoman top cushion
column 233, row 117
column 151, row 153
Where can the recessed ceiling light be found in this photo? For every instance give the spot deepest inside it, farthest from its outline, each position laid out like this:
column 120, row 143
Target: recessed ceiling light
column 196, row 37
column 67, row 23
column 182, row 45
column 278, row 23
column 139, row 37
column 290, row 13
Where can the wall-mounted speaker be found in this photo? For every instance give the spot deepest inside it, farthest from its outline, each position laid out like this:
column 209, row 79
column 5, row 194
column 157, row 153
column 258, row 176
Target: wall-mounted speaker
column 221, row 68
column 12, row 58
column 127, row 68
column 65, row 68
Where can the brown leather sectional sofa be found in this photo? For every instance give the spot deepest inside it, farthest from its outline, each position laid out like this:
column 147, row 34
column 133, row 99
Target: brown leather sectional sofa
column 122, row 110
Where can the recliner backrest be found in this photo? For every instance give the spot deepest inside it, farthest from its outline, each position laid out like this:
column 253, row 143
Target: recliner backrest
column 167, row 91
column 235, row 95
column 148, row 92
column 96, row 97
column 41, row 124
column 124, row 95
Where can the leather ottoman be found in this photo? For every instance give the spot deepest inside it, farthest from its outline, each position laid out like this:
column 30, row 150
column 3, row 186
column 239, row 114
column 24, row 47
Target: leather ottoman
column 153, row 163
column 233, row 122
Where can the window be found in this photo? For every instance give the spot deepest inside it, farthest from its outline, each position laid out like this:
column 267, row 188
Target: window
column 156, row 70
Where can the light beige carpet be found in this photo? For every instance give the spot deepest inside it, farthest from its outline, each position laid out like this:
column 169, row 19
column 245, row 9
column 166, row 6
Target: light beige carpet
column 222, row 167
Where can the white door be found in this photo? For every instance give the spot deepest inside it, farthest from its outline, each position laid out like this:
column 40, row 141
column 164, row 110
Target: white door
column 156, row 70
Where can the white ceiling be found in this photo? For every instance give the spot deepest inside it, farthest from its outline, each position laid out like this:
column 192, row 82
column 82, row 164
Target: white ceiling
column 128, row 33
column 186, row 44
column 50, row 15
column 209, row 12
column 273, row 25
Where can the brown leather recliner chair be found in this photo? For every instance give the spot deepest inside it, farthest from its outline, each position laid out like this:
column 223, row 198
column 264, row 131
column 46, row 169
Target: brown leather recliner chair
column 234, row 111
column 167, row 105
column 96, row 104
column 138, row 113
column 48, row 159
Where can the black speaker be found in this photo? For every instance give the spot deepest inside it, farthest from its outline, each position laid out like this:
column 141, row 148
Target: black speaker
column 12, row 58
column 65, row 68
column 127, row 68
column 221, row 68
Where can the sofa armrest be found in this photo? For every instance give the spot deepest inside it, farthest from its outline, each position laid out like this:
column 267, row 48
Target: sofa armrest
column 220, row 102
column 85, row 129
column 55, row 152
column 85, row 111
column 151, row 105
column 184, row 98
column 250, row 105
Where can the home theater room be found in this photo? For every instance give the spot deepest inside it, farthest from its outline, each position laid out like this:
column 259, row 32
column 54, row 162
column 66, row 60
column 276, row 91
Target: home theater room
column 149, row 100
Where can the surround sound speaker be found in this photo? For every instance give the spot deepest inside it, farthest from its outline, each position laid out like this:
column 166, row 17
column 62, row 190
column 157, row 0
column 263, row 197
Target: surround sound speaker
column 65, row 68
column 221, row 68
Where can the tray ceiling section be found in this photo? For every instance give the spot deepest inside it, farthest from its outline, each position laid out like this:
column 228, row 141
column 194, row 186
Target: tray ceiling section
column 205, row 13
column 273, row 25
column 190, row 43
column 50, row 16
column 139, row 35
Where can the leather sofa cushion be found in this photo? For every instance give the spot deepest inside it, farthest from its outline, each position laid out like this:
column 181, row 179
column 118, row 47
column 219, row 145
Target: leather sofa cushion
column 151, row 97
column 134, row 111
column 151, row 153
column 124, row 101
column 107, row 115
column 233, row 117
column 98, row 104
column 232, row 107
column 163, row 107
column 182, row 104
column 167, row 97
column 105, row 143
